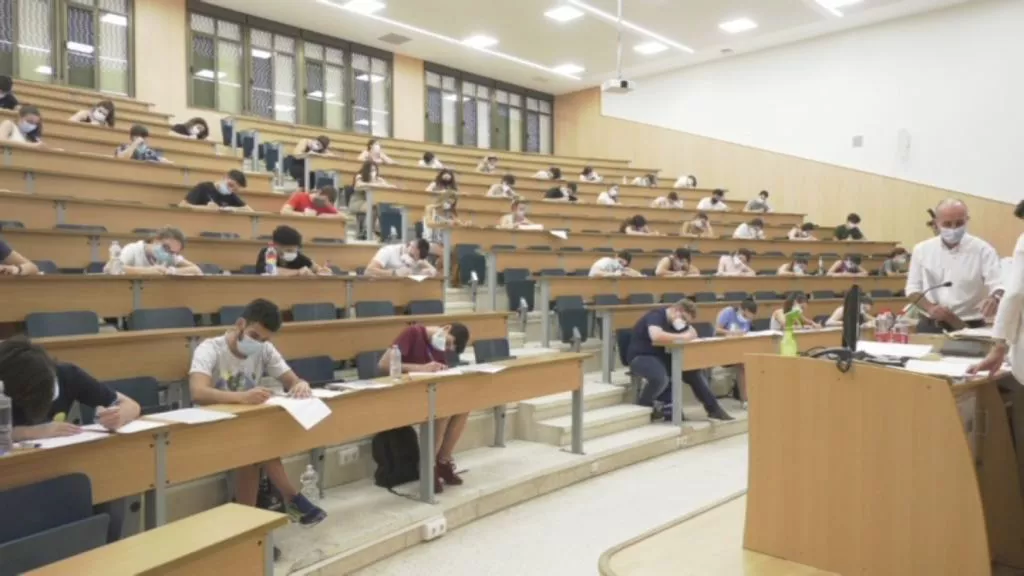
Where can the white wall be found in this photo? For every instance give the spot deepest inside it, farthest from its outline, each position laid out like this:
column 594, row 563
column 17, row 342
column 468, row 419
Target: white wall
column 952, row 79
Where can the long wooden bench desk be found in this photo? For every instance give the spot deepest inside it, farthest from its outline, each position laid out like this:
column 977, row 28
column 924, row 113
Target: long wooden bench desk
column 118, row 296
column 165, row 354
column 61, row 108
column 27, row 89
column 228, row 539
column 19, row 160
column 75, row 250
column 39, row 211
column 625, row 316
column 552, row 287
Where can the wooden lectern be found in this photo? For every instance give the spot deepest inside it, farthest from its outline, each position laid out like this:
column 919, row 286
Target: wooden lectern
column 880, row 471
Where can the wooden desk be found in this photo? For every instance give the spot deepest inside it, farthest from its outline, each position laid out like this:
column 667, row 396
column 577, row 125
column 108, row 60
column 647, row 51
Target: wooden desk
column 166, row 354
column 25, row 89
column 39, row 211
column 699, row 544
column 76, row 250
column 60, row 107
column 229, row 539
column 206, row 160
column 117, row 296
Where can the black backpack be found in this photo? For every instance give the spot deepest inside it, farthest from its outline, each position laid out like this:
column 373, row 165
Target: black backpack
column 397, row 454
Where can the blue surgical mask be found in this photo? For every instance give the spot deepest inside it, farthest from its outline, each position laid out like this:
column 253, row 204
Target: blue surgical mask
column 222, row 187
column 953, row 235
column 162, row 255
column 27, row 127
column 248, row 347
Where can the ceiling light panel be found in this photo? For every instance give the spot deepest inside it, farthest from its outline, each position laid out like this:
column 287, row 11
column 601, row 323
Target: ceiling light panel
column 569, row 69
column 833, row 6
column 479, row 41
column 738, row 25
column 563, row 14
column 609, row 17
column 364, row 6
column 649, row 48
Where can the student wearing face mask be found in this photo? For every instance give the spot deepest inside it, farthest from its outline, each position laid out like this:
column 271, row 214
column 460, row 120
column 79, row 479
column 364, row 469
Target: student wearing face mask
column 8, row 101
column 609, row 197
column 42, row 392
column 635, row 226
column 158, row 256
column 796, row 267
column 676, row 265
column 102, row 114
column 671, row 200
column 516, row 218
column 794, row 301
column 138, row 149
column 649, row 358
column 221, row 195
column 566, row 192
column 373, row 153
column 613, row 266
column 195, row 129
column 688, row 181
column 588, row 174
column 896, row 264
column 291, row 261
column 504, row 189
column 443, row 182
column 850, row 230
column 736, row 264
column 296, row 161
column 228, row 370
column 402, row 260
column 318, row 202
column 699, row 227
column 850, row 265
column 753, row 230
column 426, row 349
column 442, row 212
column 552, row 173
column 714, row 202
column 488, row 165
column 866, row 319
column 430, row 161
column 802, row 232
column 759, row 204
column 27, row 130
column 968, row 262
column 732, row 322
column 646, row 181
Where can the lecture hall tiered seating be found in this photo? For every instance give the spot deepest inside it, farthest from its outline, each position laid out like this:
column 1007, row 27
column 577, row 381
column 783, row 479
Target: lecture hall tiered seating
column 63, row 209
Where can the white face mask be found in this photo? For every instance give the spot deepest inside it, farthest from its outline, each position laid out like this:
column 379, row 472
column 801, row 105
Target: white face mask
column 56, row 389
column 614, row 192
column 799, row 268
column 679, row 324
column 408, row 260
column 315, row 146
column 953, row 235
column 738, row 260
column 851, row 225
column 849, row 264
column 375, row 149
column 247, row 346
column 289, row 256
column 223, row 189
column 798, row 307
column 196, row 130
column 439, row 341
column 99, row 115
column 446, row 206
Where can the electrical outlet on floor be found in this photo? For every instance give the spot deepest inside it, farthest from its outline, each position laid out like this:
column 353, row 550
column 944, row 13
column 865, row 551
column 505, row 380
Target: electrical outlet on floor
column 348, row 455
column 434, row 528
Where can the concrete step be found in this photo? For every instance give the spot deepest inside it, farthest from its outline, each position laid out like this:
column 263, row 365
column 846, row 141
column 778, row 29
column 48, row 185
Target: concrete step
column 596, row 423
column 595, row 395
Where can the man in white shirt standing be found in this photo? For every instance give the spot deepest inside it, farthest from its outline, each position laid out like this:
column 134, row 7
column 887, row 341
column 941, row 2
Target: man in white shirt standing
column 715, row 202
column 753, row 230
column 969, row 263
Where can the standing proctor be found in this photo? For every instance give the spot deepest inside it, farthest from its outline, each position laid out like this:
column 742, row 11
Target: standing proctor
column 967, row 262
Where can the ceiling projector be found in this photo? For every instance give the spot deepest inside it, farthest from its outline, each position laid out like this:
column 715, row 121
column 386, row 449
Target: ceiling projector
column 618, row 86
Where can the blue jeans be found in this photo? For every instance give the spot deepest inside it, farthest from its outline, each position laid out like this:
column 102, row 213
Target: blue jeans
column 654, row 370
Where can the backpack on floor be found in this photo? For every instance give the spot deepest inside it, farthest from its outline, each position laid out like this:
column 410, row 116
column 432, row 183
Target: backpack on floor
column 397, row 454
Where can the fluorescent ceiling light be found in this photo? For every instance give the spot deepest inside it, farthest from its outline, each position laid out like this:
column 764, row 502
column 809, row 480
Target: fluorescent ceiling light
column 364, row 6
column 609, row 17
column 451, row 40
column 208, row 74
column 569, row 69
column 362, row 122
column 451, row 97
column 479, row 41
column 738, row 25
column 648, row 48
column 261, row 54
column 46, row 70
column 372, row 78
column 319, row 94
column 281, row 108
column 563, row 14
column 81, row 48
column 115, row 19
column 833, row 6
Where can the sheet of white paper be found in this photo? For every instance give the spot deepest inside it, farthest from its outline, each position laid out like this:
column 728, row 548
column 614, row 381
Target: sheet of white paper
column 485, row 368
column 560, row 234
column 418, row 277
column 939, row 368
column 322, row 393
column 530, row 227
column 448, row 372
column 129, row 428
column 363, row 385
column 81, row 437
column 983, row 333
column 308, row 412
column 192, row 416
column 890, row 349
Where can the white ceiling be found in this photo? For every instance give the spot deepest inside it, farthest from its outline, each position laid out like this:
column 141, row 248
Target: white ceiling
column 524, row 32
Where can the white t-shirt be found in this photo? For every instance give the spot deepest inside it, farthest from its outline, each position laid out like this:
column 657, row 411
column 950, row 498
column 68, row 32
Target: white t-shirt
column 606, row 198
column 1009, row 324
column 706, row 204
column 436, row 164
column 500, row 191
column 594, row 177
column 747, row 232
column 682, row 182
column 393, row 257
column 135, row 256
column 231, row 373
column 972, row 266
column 664, row 202
column 606, row 265
column 729, row 265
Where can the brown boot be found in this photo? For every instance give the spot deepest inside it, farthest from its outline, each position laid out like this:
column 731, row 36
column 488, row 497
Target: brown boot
column 446, row 471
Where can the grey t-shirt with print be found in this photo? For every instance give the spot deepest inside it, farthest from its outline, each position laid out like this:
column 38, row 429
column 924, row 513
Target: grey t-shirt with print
column 231, row 373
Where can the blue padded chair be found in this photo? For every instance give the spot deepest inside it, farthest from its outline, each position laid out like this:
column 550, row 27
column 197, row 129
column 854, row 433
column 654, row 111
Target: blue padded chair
column 71, row 323
column 374, row 309
column 491, row 349
column 672, row 297
column 366, row 364
column 161, row 318
column 517, row 290
column 643, row 298
column 704, row 329
column 760, row 324
column 45, row 505
column 705, row 297
column 228, row 315
column 53, row 545
column 317, row 370
column 735, row 296
column 47, row 266
column 314, row 311
column 419, row 307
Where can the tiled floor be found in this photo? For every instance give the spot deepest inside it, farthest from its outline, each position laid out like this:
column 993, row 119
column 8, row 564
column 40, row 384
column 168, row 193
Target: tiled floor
column 565, row 532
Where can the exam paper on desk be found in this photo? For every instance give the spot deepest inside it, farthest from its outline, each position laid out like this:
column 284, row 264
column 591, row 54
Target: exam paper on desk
column 308, row 412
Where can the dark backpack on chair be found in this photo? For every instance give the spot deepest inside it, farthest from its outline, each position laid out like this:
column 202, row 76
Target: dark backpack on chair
column 397, row 454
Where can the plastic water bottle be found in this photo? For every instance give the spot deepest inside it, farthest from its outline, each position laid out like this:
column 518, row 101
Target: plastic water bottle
column 116, row 266
column 309, row 488
column 6, row 420
column 821, row 266
column 395, row 364
column 271, row 260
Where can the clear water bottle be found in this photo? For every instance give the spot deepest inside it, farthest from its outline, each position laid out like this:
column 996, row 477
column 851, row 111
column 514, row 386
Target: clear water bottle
column 271, row 260
column 821, row 266
column 309, row 488
column 116, row 266
column 6, row 422
column 395, row 364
